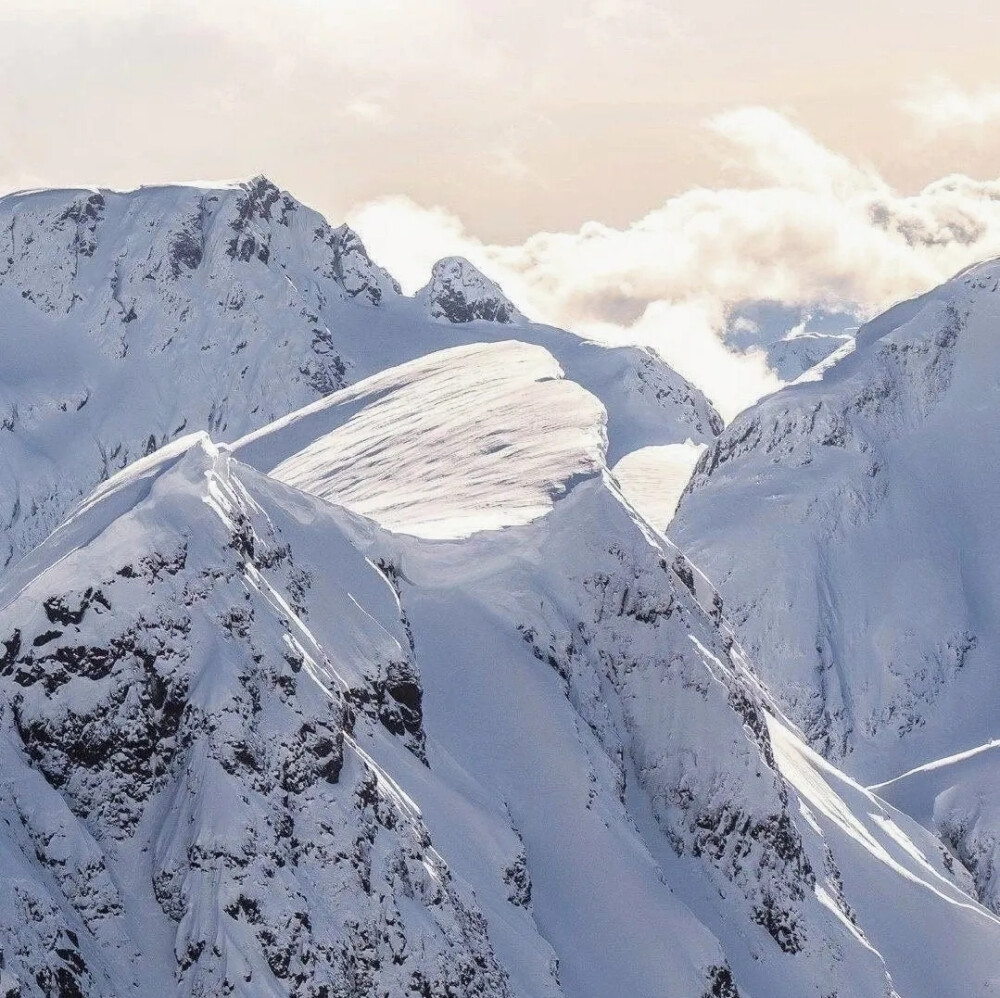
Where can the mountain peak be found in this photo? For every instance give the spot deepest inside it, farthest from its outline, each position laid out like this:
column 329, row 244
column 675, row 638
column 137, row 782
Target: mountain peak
column 259, row 182
column 897, row 475
column 460, row 292
column 355, row 270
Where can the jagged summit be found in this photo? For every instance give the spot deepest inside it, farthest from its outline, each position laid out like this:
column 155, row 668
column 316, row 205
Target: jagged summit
column 128, row 319
column 135, row 317
column 176, row 229
column 182, row 760
column 460, row 292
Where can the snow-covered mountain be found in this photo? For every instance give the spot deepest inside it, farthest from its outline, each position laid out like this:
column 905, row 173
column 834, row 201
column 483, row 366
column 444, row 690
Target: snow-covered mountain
column 130, row 319
column 792, row 339
column 850, row 524
column 794, row 355
column 357, row 664
column 302, row 716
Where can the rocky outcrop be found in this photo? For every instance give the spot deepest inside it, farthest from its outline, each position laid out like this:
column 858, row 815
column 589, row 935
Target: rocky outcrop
column 180, row 759
column 458, row 292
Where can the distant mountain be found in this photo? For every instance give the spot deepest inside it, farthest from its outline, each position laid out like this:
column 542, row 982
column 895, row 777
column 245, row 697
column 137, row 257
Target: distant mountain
column 130, row 319
column 793, row 356
column 793, row 339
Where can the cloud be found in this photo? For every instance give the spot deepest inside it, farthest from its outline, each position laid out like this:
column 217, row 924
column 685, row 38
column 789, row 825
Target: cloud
column 645, row 23
column 408, row 239
column 369, row 111
column 939, row 105
column 505, row 159
column 813, row 231
column 688, row 336
column 787, row 156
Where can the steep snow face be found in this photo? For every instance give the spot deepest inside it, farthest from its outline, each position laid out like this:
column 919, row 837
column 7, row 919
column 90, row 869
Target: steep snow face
column 654, row 478
column 129, row 319
column 458, row 292
column 957, row 797
column 774, row 850
column 902, row 891
column 850, row 525
column 579, row 632
column 472, row 438
column 187, row 805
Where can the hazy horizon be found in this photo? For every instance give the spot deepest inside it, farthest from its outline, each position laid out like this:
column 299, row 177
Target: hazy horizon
column 625, row 168
column 545, row 103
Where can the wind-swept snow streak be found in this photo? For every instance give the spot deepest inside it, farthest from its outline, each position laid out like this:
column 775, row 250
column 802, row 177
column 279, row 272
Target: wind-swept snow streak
column 473, row 438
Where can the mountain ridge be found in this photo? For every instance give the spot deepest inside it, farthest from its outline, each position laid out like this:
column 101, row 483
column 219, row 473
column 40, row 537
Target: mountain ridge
column 846, row 482
column 127, row 319
column 372, row 704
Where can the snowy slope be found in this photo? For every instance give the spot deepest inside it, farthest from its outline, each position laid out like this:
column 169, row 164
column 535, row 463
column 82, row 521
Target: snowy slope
column 676, row 713
column 793, row 355
column 654, row 478
column 256, row 743
column 850, row 524
column 649, row 716
column 129, row 319
column 958, row 798
column 187, row 807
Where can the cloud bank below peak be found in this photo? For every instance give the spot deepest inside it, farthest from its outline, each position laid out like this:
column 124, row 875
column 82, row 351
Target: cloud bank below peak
column 808, row 228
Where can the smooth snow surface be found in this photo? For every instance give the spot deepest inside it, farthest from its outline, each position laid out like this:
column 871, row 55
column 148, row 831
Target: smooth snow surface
column 473, row 438
column 653, row 478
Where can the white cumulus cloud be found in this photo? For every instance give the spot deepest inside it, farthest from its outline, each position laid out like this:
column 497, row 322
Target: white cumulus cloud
column 813, row 230
column 939, row 105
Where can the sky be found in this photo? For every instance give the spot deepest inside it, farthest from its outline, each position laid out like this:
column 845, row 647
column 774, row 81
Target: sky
column 626, row 168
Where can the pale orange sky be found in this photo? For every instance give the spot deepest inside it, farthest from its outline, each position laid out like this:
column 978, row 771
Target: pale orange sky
column 516, row 116
column 625, row 168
